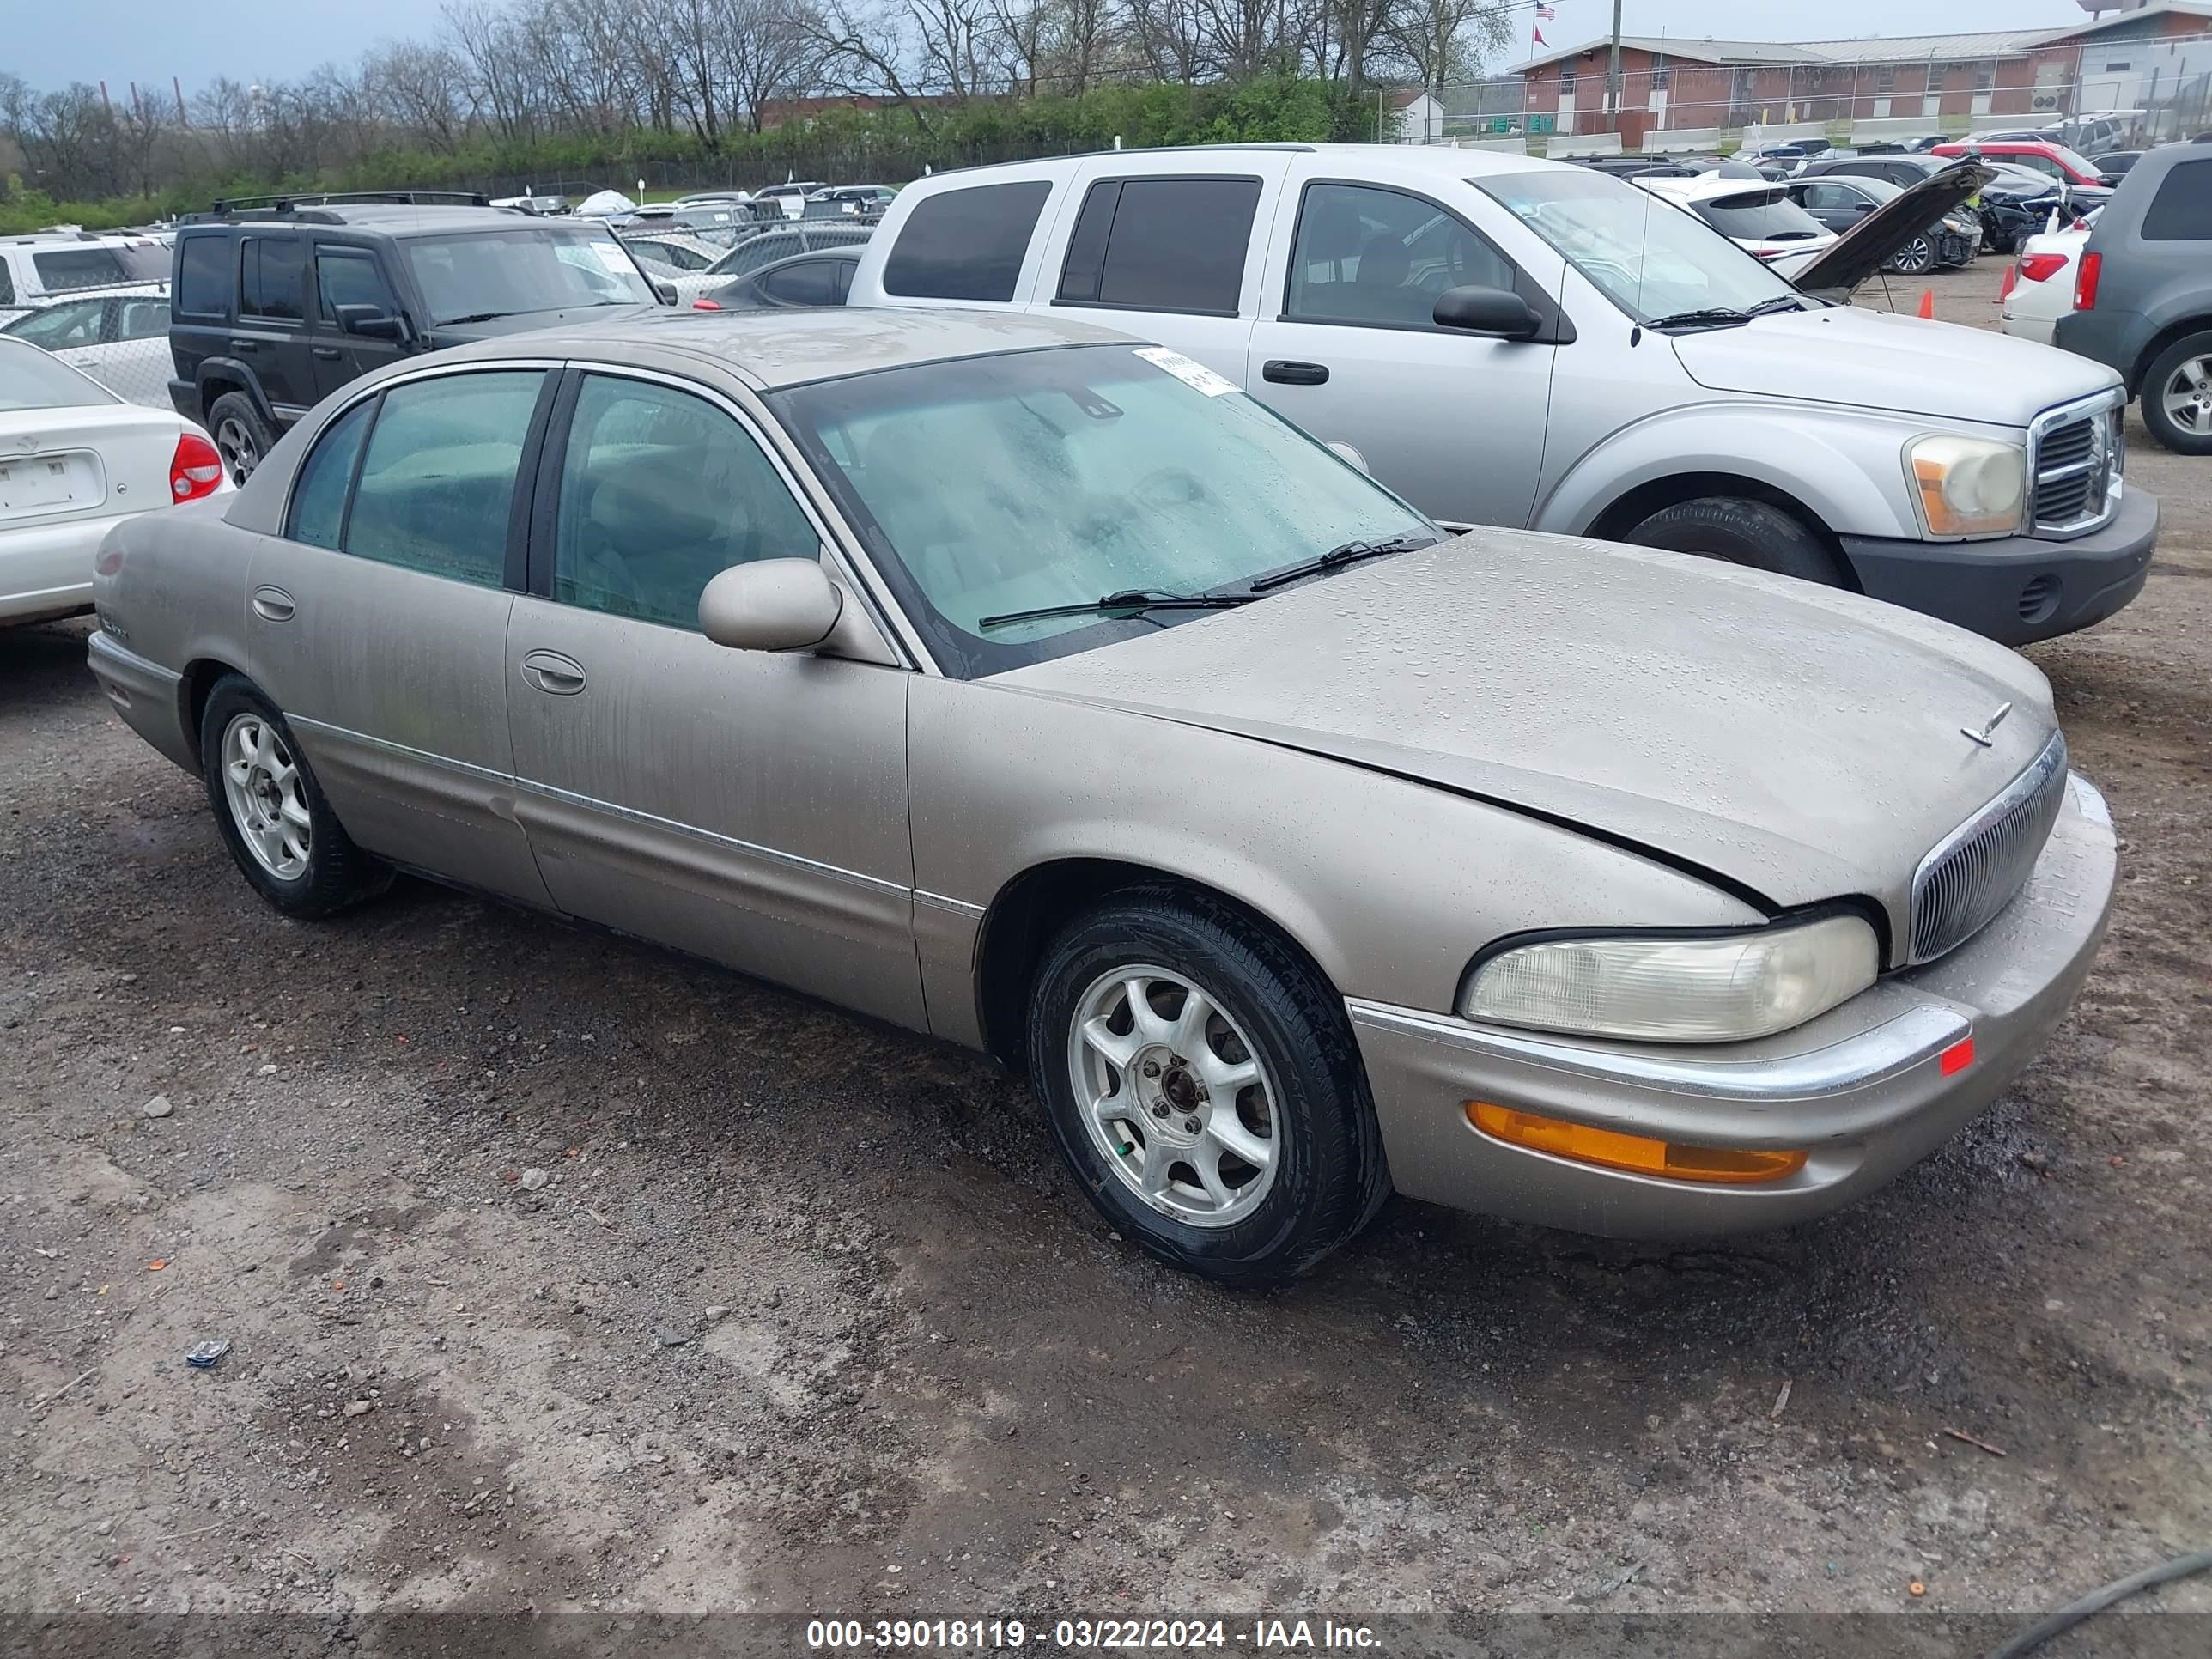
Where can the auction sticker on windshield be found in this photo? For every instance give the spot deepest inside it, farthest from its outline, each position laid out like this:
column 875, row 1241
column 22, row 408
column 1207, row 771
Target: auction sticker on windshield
column 612, row 257
column 1190, row 373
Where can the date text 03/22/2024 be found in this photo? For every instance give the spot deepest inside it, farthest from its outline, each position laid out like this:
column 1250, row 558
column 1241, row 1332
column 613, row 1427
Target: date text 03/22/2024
column 1162, row 1635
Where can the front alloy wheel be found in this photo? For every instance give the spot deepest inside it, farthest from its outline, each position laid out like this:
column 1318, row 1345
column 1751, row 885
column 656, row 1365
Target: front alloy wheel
column 261, row 782
column 1172, row 1096
column 1916, row 257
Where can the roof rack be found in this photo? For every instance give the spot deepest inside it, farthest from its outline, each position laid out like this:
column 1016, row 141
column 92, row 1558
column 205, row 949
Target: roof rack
column 286, row 201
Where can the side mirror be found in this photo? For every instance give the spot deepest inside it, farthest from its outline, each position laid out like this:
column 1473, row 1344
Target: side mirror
column 1476, row 309
column 370, row 322
column 665, row 292
column 771, row 604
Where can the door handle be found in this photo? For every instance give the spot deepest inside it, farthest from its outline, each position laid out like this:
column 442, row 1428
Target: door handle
column 1283, row 372
column 552, row 673
column 246, row 345
column 328, row 354
column 273, row 604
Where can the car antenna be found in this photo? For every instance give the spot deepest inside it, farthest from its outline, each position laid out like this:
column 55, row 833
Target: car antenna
column 1642, row 259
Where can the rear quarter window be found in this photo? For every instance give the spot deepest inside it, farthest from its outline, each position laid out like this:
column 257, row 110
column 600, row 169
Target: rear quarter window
column 966, row 244
column 203, row 275
column 2182, row 210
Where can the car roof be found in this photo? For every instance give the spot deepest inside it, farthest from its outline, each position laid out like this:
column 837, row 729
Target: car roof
column 1440, row 162
column 775, row 349
column 393, row 218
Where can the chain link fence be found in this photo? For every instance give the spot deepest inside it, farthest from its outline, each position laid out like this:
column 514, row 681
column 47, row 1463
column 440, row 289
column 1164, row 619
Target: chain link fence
column 2120, row 95
column 119, row 336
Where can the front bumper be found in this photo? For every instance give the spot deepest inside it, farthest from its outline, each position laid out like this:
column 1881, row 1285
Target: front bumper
column 1861, row 1088
column 2017, row 589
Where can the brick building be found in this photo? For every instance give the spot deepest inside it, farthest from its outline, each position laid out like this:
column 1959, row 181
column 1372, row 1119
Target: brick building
column 1951, row 81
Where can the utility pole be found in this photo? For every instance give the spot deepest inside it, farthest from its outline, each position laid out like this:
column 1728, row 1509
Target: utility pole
column 1613, row 70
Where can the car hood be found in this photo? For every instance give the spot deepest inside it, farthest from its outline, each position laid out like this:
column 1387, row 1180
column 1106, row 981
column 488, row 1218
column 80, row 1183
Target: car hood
column 1874, row 360
column 1792, row 743
column 1867, row 245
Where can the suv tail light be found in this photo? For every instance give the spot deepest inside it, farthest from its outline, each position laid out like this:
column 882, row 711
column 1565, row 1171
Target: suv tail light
column 195, row 470
column 2041, row 267
column 2085, row 285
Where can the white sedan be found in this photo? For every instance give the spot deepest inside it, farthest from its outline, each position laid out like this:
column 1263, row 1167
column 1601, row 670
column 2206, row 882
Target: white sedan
column 1757, row 216
column 2044, row 273
column 120, row 339
column 75, row 460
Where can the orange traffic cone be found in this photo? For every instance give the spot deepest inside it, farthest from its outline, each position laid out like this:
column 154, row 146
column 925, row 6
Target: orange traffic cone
column 1928, row 305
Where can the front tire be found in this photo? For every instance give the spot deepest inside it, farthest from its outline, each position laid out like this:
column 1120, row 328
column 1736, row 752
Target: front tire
column 1203, row 1084
column 2176, row 396
column 1751, row 533
column 1916, row 258
column 271, row 811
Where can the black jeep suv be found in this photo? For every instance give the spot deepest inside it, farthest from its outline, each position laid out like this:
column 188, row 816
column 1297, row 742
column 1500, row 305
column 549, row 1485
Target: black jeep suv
column 277, row 303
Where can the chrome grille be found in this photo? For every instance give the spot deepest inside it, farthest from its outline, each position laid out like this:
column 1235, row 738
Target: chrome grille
column 1975, row 870
column 2074, row 457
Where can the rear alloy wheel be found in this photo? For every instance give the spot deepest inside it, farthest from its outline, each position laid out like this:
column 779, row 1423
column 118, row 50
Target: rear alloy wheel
column 2177, row 396
column 1203, row 1084
column 1915, row 258
column 281, row 832
column 241, row 436
column 1751, row 533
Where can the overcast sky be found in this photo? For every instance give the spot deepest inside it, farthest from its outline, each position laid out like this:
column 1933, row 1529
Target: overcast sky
column 150, row 40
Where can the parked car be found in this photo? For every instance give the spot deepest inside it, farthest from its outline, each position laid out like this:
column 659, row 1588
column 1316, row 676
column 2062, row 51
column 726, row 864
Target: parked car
column 2043, row 284
column 853, row 198
column 2143, row 294
column 1636, row 167
column 274, row 308
column 1757, row 216
column 1516, row 342
column 2059, row 162
column 1033, row 688
column 121, row 339
column 75, row 460
column 2014, row 203
column 789, row 198
column 1839, row 204
column 765, row 248
column 2116, row 163
column 36, row 270
column 805, row 279
column 676, row 253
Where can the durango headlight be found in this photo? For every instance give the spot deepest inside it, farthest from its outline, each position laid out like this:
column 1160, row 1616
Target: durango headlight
column 1727, row 988
column 1967, row 486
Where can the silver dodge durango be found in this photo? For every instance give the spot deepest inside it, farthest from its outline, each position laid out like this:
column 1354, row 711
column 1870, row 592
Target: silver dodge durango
column 1022, row 683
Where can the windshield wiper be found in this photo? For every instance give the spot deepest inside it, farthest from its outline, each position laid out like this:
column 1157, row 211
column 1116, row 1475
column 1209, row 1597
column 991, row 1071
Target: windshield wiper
column 1337, row 557
column 1711, row 316
column 1132, row 601
column 1780, row 302
column 477, row 317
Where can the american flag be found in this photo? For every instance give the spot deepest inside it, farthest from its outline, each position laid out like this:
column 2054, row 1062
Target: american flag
column 1542, row 14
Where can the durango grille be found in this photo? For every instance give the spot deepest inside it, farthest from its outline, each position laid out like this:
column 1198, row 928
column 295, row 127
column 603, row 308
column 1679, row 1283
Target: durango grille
column 1975, row 870
column 2074, row 455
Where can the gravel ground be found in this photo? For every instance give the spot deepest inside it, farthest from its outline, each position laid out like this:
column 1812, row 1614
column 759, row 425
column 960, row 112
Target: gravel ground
column 561, row 1273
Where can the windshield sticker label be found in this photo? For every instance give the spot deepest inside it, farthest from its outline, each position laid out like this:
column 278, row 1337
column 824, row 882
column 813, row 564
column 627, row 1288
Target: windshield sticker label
column 612, row 257
column 1190, row 373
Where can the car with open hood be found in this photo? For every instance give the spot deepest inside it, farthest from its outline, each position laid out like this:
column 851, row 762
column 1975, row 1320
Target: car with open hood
column 1511, row 341
column 1009, row 680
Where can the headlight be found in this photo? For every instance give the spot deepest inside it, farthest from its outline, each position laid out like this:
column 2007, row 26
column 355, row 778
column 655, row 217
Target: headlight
column 1722, row 989
column 1968, row 486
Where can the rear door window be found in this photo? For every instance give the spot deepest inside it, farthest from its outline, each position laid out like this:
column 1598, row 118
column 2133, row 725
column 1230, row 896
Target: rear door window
column 437, row 483
column 80, row 267
column 141, row 319
column 272, row 272
column 203, row 275
column 2182, row 210
column 57, row 328
column 966, row 244
column 1161, row 245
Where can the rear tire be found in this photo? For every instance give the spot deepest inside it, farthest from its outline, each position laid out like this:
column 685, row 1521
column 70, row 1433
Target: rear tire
column 1241, row 1145
column 1750, row 533
column 287, row 842
column 242, row 438
column 2174, row 395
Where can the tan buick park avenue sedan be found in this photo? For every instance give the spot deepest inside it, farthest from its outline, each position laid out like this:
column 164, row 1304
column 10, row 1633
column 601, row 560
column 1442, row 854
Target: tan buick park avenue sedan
column 1017, row 682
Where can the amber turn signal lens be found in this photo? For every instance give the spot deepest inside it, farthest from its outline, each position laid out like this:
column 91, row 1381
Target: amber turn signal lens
column 1614, row 1150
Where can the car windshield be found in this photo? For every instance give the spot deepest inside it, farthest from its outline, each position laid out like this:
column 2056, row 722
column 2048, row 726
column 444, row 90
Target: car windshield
column 2075, row 161
column 988, row 485
column 1759, row 215
column 1650, row 259
column 29, row 378
column 502, row 273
